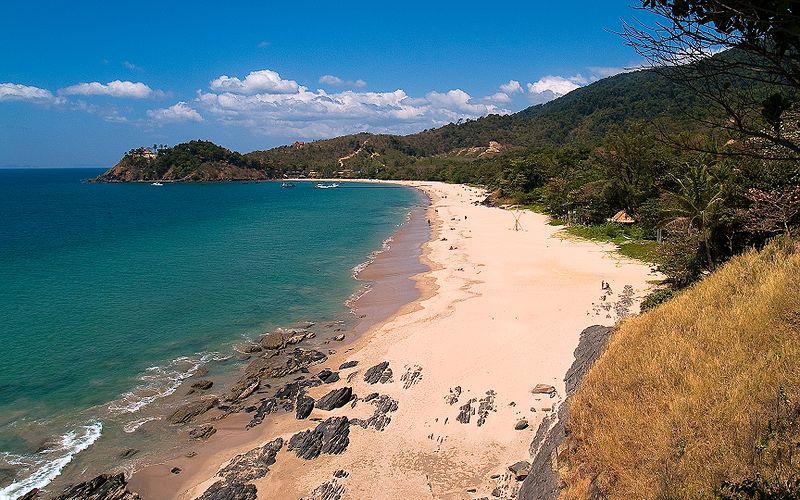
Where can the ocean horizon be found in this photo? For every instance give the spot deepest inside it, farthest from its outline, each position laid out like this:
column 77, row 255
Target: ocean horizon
column 112, row 294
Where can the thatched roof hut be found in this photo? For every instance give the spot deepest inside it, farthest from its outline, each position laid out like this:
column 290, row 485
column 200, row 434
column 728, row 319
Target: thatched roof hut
column 622, row 217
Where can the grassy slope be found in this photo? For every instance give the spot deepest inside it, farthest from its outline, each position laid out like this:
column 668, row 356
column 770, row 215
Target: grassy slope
column 700, row 390
column 690, row 394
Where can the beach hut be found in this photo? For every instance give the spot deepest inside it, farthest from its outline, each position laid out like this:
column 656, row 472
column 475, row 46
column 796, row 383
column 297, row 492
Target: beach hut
column 622, row 217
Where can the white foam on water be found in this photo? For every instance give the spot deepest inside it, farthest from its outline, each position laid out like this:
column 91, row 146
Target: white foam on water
column 49, row 463
column 133, row 425
column 159, row 382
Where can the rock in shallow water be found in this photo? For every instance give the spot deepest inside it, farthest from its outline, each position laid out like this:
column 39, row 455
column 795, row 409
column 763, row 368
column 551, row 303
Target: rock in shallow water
column 331, row 437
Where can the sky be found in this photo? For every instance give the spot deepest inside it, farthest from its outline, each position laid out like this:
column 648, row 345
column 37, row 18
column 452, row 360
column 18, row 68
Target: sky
column 81, row 82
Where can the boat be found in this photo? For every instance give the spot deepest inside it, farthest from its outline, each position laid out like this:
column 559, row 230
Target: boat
column 156, row 184
column 327, row 186
column 288, row 185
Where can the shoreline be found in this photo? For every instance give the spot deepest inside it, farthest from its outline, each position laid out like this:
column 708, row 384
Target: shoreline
column 228, row 366
column 498, row 312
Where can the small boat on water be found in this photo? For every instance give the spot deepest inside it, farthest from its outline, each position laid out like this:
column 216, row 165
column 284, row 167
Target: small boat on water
column 288, row 185
column 327, row 186
column 156, row 184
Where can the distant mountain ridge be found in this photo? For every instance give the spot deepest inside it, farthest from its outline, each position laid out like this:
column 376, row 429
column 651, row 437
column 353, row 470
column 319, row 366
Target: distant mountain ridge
column 580, row 118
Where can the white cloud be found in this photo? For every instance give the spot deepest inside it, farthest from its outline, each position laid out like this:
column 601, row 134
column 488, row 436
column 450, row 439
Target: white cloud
column 262, row 81
column 18, row 92
column 131, row 66
column 316, row 113
column 338, row 82
column 558, row 85
column 117, row 88
column 499, row 97
column 179, row 112
column 512, row 87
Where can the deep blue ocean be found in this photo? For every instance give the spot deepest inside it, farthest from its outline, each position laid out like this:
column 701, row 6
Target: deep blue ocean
column 105, row 285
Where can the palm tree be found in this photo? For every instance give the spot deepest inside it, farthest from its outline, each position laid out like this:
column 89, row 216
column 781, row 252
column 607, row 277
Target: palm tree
column 697, row 203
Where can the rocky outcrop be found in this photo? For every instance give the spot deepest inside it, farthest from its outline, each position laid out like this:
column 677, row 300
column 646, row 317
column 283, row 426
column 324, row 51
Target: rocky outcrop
column 348, row 364
column 190, row 411
column 305, row 404
column 203, row 432
column 335, row 399
column 328, row 376
column 252, row 465
column 384, row 405
column 102, row 487
column 224, row 490
column 542, row 481
column 378, row 373
column 330, row 437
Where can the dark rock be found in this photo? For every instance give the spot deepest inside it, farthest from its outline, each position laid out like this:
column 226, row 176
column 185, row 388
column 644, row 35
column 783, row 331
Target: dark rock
column 31, row 495
column 304, row 406
column 348, row 364
column 521, row 425
column 267, row 406
column 224, row 490
column 102, row 487
column 370, row 397
column 520, row 469
column 191, row 410
column 544, row 389
column 299, row 359
column 339, row 337
column 341, row 473
column 128, row 453
column 335, row 399
column 380, row 418
column 175, row 470
column 374, row 374
column 252, row 465
column 328, row 376
column 331, row 437
column 203, row 432
column 497, row 492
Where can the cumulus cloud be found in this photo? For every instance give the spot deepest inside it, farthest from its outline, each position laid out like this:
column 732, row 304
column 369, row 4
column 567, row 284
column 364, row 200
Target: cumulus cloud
column 558, row 85
column 19, row 92
column 262, row 81
column 338, row 82
column 512, row 87
column 117, row 88
column 317, row 113
column 179, row 112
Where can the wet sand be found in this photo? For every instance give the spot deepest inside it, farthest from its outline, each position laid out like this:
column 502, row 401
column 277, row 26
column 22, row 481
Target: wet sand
column 498, row 312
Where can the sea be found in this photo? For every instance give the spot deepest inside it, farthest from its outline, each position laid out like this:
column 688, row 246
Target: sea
column 112, row 294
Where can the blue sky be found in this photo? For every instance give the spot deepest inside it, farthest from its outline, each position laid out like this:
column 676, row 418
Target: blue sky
column 83, row 82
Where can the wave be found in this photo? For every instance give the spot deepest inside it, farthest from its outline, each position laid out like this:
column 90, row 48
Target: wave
column 133, row 425
column 159, row 382
column 49, row 463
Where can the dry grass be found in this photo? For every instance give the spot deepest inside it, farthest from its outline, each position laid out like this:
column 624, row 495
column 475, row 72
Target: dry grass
column 698, row 391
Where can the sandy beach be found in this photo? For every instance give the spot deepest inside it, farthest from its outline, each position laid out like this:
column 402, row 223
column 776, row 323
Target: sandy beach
column 498, row 312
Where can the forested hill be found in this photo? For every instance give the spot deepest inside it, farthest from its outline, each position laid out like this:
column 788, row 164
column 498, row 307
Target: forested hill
column 581, row 118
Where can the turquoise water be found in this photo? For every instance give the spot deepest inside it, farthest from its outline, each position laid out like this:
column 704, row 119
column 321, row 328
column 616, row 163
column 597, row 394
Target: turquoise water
column 101, row 282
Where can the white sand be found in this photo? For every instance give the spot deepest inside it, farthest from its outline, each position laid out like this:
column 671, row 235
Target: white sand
column 510, row 320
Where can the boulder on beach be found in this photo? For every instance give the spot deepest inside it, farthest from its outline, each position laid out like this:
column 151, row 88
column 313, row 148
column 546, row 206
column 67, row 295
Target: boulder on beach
column 304, row 406
column 252, row 465
column 102, row 487
column 335, row 399
column 189, row 411
column 348, row 364
column 225, row 490
column 330, row 437
column 544, row 389
column 520, row 469
column 521, row 425
column 203, row 432
column 377, row 373
column 328, row 376
column 273, row 341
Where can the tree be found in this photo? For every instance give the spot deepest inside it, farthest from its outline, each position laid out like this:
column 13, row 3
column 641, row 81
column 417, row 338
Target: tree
column 771, row 211
column 755, row 85
column 697, row 203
